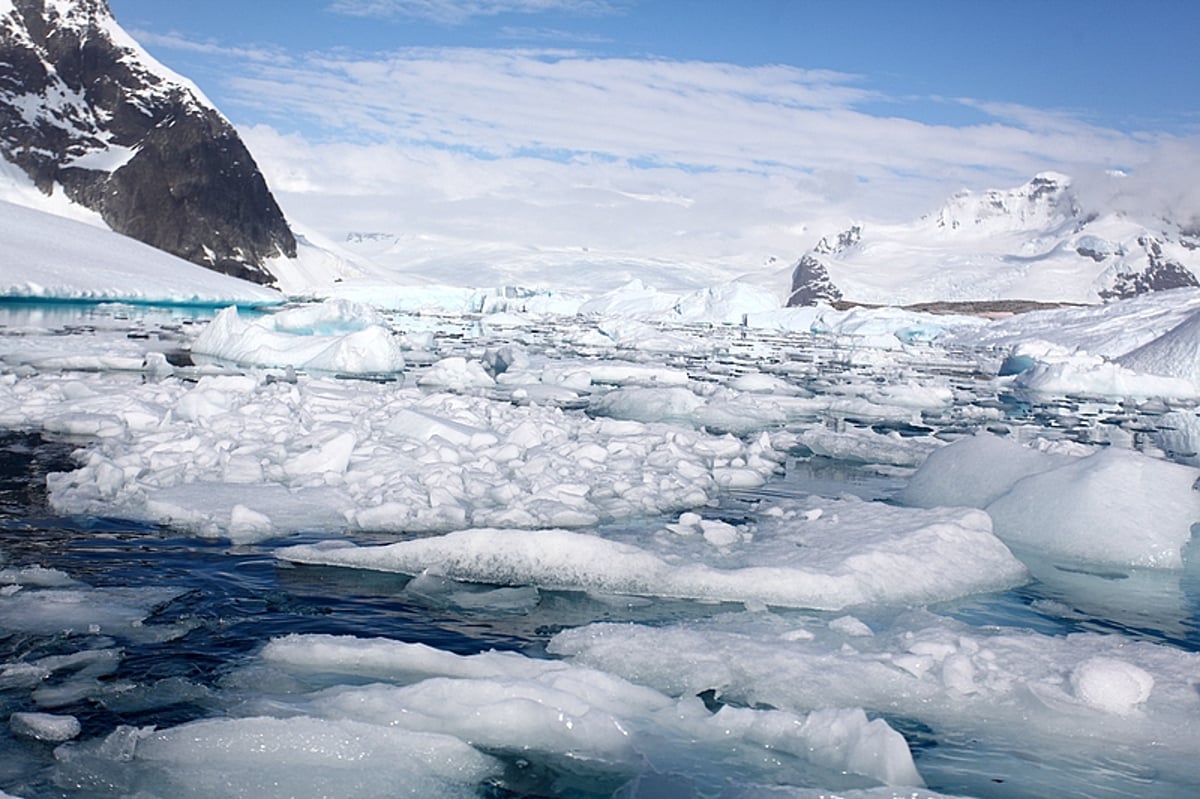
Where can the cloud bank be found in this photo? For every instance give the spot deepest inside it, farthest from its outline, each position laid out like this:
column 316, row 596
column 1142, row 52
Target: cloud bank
column 719, row 167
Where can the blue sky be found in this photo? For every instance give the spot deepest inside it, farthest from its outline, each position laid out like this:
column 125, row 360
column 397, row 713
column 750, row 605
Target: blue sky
column 764, row 121
column 1119, row 63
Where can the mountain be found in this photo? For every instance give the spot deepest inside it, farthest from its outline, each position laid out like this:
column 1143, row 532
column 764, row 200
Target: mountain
column 1036, row 242
column 86, row 111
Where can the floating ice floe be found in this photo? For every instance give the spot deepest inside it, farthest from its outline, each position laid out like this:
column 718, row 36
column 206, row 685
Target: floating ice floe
column 250, row 458
column 1114, row 506
column 34, row 607
column 1091, row 375
column 337, row 337
column 577, row 725
column 815, row 553
column 265, row 758
column 1012, row 690
column 44, row 726
column 726, row 412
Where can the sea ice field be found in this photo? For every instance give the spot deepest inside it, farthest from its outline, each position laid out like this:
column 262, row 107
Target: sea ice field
column 330, row 550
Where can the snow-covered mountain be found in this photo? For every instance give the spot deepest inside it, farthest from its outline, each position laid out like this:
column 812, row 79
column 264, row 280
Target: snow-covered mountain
column 85, row 111
column 1034, row 242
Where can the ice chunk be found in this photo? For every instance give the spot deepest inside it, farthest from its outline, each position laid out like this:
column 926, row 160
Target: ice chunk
column 259, row 758
column 1112, row 685
column 647, row 404
column 109, row 610
column 1024, row 692
column 974, row 472
column 329, row 318
column 1116, row 506
column 456, row 373
column 584, row 724
column 1094, row 376
column 864, row 445
column 44, row 726
column 855, row 553
column 366, row 349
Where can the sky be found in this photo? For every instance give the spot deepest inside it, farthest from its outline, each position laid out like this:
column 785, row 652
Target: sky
column 732, row 134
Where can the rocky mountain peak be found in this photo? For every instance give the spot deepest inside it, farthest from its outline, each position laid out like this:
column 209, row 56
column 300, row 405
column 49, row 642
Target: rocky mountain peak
column 1045, row 201
column 85, row 110
column 842, row 242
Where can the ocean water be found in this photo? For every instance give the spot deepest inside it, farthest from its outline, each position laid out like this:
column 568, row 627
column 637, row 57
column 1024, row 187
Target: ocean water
column 220, row 603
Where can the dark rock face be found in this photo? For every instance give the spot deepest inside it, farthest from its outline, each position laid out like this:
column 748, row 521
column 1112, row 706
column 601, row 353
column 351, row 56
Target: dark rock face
column 811, row 283
column 83, row 109
column 845, row 240
column 1159, row 274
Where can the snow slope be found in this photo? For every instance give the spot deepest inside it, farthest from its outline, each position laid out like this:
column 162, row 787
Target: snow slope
column 1033, row 242
column 50, row 257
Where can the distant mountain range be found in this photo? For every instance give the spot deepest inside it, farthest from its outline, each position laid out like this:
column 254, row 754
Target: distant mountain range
column 1036, row 242
column 86, row 111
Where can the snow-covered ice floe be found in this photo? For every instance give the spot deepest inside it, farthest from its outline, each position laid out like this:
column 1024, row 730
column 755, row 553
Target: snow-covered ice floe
column 1007, row 690
column 249, row 457
column 338, row 337
column 382, row 716
column 816, row 553
column 1113, row 506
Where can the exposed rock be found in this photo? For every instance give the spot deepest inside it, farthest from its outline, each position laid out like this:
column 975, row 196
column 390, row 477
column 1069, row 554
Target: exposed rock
column 1096, row 248
column 85, row 109
column 1189, row 235
column 1127, row 280
column 1045, row 201
column 811, row 283
column 844, row 241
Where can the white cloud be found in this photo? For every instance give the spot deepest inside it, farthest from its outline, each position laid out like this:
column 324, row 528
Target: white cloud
column 176, row 41
column 1166, row 183
column 454, row 12
column 698, row 115
column 715, row 165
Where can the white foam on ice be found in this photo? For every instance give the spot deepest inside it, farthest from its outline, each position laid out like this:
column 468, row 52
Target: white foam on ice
column 817, row 553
